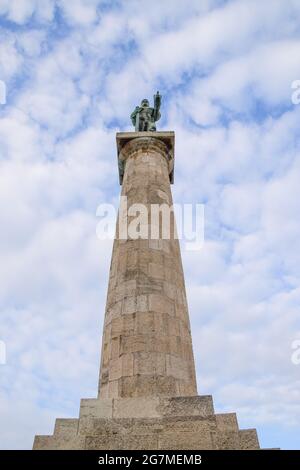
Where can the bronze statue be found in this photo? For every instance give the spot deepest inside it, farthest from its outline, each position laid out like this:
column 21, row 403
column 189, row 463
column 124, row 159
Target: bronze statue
column 144, row 117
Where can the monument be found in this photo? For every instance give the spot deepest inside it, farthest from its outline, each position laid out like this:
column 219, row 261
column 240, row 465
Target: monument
column 144, row 118
column 147, row 396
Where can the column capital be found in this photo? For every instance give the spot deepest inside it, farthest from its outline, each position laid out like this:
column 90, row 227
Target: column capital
column 128, row 142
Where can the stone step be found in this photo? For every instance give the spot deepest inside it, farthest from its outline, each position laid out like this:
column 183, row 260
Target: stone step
column 149, row 423
column 66, row 427
column 59, row 442
column 227, row 422
column 146, row 407
column 218, row 432
column 249, row 439
column 147, row 426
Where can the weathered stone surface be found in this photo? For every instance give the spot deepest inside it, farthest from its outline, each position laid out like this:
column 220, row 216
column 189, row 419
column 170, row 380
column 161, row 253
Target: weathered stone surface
column 226, row 440
column 66, row 428
column 227, row 422
column 187, row 406
column 248, row 439
column 185, row 440
column 151, row 423
column 96, row 408
column 59, row 443
column 136, row 408
column 147, row 345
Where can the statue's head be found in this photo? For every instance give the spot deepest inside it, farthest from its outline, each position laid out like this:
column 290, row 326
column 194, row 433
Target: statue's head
column 145, row 104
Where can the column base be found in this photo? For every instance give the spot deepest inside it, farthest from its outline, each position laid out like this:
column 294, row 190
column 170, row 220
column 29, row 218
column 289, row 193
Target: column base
column 179, row 423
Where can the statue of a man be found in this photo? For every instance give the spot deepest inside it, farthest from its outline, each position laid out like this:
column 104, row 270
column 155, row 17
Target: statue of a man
column 144, row 117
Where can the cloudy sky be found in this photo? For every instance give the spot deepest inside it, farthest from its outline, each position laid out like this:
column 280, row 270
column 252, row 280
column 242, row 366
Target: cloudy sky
column 74, row 70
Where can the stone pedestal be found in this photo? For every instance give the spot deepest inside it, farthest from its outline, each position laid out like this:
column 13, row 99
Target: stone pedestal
column 174, row 423
column 147, row 389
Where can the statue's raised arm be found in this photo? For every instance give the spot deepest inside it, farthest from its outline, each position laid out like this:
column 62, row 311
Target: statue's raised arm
column 144, row 117
column 157, row 105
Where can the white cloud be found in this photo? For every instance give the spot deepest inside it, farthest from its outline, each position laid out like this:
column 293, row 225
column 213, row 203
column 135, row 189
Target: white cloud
column 10, row 59
column 20, row 11
column 82, row 12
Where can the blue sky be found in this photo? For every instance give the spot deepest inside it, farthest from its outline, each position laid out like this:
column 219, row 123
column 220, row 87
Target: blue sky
column 74, row 71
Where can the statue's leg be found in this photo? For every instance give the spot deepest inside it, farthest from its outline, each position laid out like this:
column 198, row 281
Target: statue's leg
column 152, row 126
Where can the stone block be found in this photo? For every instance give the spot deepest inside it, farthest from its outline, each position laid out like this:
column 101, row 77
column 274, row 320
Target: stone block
column 160, row 304
column 133, row 343
column 113, row 389
column 174, row 326
column 187, row 350
column 156, row 257
column 195, row 424
column 139, row 442
column 121, row 367
column 156, row 271
column 186, row 389
column 170, row 274
column 159, row 344
column 117, row 327
column 103, row 389
column 166, row 246
column 226, row 440
column 129, row 305
column 132, row 259
column 66, row 427
column 248, row 439
column 136, row 408
column 129, row 324
column 175, row 345
column 142, row 303
column 185, row 440
column 127, row 365
column 96, row 408
column 115, row 348
column 184, row 330
column 59, row 443
column 113, row 311
column 107, row 333
column 156, row 244
column 106, row 347
column 170, row 290
column 161, row 324
column 177, row 367
column 147, row 386
column 122, row 442
column 201, row 406
column 43, row 443
column 227, row 422
column 149, row 363
column 124, row 289
column 144, row 322
column 115, row 370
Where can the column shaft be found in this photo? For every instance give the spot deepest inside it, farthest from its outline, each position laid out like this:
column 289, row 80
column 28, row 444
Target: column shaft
column 147, row 346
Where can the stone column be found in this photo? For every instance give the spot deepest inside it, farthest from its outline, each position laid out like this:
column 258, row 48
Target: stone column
column 147, row 346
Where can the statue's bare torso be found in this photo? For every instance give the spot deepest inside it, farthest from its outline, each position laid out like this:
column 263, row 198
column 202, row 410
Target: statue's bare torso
column 144, row 117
